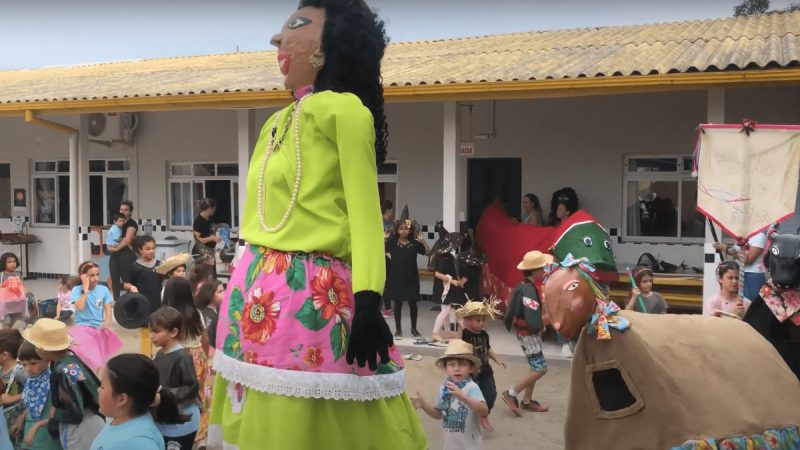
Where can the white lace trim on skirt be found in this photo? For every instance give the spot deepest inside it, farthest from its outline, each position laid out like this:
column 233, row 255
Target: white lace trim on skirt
column 291, row 383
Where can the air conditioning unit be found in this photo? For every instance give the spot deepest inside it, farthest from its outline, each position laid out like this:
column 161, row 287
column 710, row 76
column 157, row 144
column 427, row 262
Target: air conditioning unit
column 112, row 127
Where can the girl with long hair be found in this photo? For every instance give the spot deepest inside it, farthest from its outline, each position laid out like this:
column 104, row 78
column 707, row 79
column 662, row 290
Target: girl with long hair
column 193, row 337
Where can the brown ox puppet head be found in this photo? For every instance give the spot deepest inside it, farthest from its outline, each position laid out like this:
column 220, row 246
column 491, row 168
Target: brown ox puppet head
column 569, row 301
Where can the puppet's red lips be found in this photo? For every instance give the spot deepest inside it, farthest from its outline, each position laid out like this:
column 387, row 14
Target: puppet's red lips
column 283, row 62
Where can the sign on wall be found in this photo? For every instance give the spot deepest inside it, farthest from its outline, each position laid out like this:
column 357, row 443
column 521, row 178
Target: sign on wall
column 466, row 149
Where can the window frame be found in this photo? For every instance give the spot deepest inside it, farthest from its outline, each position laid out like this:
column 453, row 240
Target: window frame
column 191, row 179
column 54, row 175
column 107, row 173
column 10, row 192
column 681, row 175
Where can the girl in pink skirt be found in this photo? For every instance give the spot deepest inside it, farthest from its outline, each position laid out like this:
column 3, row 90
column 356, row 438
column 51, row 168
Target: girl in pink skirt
column 93, row 340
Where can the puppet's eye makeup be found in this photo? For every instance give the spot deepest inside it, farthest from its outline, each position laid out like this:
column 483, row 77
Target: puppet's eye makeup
column 607, row 244
column 297, row 22
column 775, row 251
column 573, row 285
column 587, row 241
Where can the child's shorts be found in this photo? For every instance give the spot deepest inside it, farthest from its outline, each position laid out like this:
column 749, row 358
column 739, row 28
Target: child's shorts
column 532, row 347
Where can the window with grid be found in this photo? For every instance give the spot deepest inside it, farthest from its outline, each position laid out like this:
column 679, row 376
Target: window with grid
column 189, row 182
column 660, row 198
column 50, row 192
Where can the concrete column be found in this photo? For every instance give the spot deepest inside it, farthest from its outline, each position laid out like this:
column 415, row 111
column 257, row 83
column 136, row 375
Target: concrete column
column 245, row 120
column 449, row 173
column 74, row 202
column 82, row 171
column 715, row 114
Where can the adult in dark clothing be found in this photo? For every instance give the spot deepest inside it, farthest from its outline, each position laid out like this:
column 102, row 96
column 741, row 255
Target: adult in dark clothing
column 402, row 278
column 562, row 205
column 123, row 255
column 202, row 227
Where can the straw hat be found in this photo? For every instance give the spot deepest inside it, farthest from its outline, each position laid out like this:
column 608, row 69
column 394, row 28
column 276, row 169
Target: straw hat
column 459, row 349
column 535, row 260
column 473, row 308
column 173, row 262
column 48, row 334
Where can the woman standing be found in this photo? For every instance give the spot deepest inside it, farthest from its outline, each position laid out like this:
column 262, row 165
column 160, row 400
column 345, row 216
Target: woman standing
column 306, row 359
column 122, row 256
column 205, row 241
column 403, row 273
column 531, row 210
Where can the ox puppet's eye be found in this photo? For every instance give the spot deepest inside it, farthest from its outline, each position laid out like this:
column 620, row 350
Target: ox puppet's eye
column 775, row 251
column 572, row 285
column 587, row 241
column 607, row 244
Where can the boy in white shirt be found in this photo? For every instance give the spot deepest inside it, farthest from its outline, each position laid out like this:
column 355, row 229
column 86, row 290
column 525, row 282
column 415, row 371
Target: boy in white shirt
column 460, row 404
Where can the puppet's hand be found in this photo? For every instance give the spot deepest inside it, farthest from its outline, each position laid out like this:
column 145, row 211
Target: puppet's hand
column 370, row 337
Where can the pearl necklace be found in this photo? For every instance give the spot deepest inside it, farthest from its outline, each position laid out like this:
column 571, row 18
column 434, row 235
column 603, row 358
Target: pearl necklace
column 270, row 150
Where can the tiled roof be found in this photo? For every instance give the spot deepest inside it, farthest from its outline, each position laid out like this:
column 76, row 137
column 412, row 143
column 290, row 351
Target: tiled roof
column 756, row 42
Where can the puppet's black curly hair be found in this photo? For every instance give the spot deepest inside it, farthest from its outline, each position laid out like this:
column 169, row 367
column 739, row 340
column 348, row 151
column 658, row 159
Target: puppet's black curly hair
column 353, row 42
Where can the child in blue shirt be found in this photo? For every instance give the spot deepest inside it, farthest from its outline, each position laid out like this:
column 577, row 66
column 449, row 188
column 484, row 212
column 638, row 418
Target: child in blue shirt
column 96, row 341
column 114, row 234
column 130, row 386
column 460, row 404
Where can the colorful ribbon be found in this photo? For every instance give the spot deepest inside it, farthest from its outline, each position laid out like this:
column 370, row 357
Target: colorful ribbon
column 605, row 318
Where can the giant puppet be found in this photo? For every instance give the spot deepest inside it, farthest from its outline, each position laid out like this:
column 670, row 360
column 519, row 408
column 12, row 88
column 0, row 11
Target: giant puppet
column 305, row 359
column 669, row 381
column 505, row 241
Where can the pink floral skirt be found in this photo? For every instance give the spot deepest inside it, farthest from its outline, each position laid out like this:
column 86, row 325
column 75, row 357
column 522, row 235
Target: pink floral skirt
column 284, row 326
column 94, row 346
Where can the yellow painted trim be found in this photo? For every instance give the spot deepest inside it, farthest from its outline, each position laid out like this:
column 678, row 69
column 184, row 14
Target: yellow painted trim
column 31, row 118
column 498, row 90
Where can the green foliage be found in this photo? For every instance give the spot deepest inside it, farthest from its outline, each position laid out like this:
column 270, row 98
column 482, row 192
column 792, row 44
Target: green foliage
column 751, row 7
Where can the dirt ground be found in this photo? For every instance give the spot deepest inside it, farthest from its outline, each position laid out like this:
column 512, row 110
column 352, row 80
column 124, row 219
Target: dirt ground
column 542, row 431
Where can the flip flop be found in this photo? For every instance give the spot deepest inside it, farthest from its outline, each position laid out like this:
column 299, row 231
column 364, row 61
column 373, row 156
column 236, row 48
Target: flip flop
column 421, row 341
column 413, row 357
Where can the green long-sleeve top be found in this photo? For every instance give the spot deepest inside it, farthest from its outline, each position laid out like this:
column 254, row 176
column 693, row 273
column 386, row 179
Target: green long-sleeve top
column 337, row 209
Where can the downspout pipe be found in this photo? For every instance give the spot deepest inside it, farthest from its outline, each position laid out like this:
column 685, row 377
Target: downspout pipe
column 31, row 118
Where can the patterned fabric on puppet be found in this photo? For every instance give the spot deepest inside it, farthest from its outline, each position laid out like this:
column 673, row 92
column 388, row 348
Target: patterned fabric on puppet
column 505, row 242
column 643, row 382
column 775, row 313
column 305, row 359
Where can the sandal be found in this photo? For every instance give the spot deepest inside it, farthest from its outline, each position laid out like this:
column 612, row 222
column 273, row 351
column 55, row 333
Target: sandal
column 534, row 406
column 413, row 357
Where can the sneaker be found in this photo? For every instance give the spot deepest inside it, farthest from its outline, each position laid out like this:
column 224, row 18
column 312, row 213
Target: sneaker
column 566, row 351
column 534, row 406
column 388, row 313
column 398, row 334
column 486, row 425
column 512, row 403
column 415, row 333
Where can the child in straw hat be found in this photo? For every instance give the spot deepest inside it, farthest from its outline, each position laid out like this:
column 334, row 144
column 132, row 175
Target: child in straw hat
column 73, row 392
column 460, row 403
column 473, row 317
column 525, row 316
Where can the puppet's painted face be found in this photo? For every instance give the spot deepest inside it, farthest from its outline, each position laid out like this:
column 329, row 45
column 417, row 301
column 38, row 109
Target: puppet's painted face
column 300, row 37
column 587, row 240
column 569, row 301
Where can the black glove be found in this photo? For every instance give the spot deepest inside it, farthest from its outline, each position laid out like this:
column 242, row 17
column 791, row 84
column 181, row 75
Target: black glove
column 370, row 336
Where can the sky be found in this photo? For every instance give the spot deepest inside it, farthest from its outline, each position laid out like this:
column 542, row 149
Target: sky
column 41, row 33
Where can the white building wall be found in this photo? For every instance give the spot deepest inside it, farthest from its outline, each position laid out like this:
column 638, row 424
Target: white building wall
column 578, row 142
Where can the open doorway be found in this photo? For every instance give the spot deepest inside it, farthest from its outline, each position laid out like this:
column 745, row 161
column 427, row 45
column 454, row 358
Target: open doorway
column 489, row 179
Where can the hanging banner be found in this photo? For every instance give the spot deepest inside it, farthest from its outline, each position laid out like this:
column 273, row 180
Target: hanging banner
column 747, row 175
